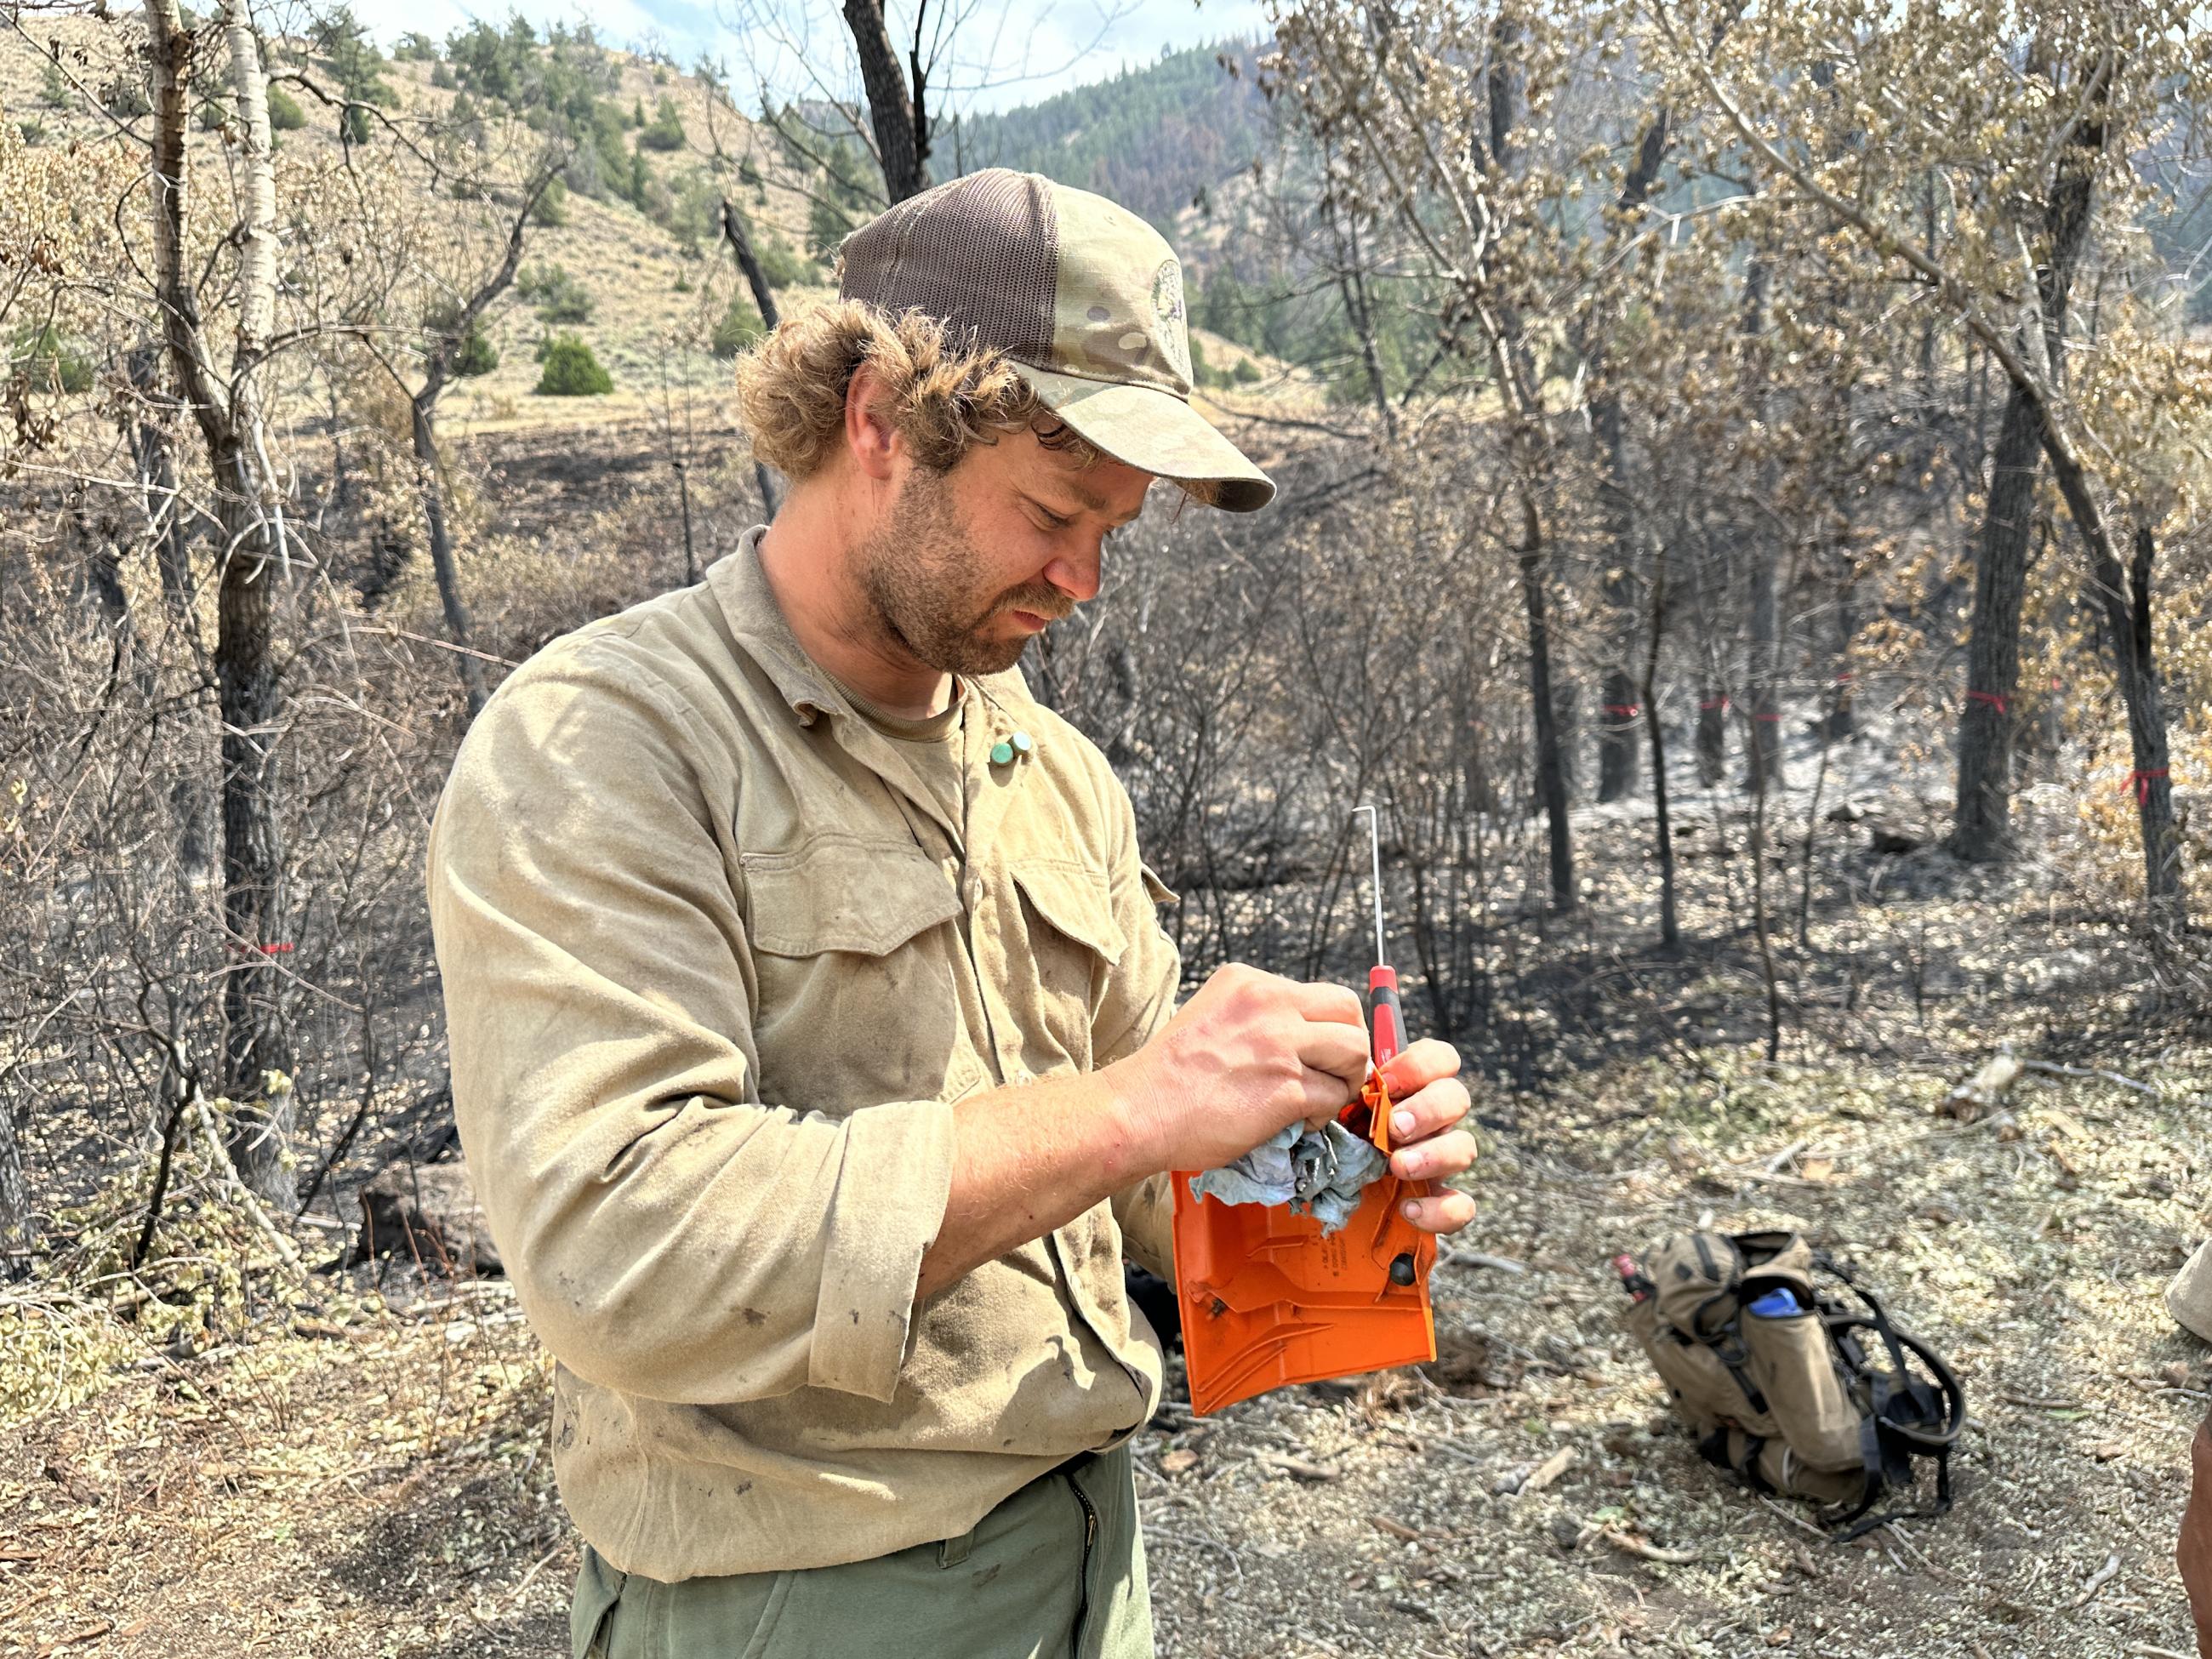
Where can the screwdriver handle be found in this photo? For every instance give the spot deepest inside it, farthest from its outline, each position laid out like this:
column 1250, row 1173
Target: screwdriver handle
column 1386, row 1018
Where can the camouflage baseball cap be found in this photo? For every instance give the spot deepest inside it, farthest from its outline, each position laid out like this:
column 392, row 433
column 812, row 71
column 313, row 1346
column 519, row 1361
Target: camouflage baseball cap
column 1082, row 296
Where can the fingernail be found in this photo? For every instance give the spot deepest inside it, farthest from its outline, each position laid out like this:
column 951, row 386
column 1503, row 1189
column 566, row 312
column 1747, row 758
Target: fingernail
column 1401, row 1123
column 1410, row 1210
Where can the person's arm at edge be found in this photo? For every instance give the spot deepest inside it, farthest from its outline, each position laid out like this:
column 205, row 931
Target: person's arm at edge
column 2193, row 1551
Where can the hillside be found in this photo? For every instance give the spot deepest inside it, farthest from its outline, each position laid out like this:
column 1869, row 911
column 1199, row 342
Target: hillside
column 1159, row 139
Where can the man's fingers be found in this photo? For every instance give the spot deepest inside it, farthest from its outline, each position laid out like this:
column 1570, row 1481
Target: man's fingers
column 1419, row 1065
column 1331, row 1046
column 1441, row 1212
column 1337, row 1004
column 1434, row 1109
column 1447, row 1154
column 1326, row 1095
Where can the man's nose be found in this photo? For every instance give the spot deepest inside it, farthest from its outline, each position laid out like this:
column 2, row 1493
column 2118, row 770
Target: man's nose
column 1076, row 574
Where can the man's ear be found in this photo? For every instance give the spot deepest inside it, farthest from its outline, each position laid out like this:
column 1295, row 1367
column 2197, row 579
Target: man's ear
column 870, row 433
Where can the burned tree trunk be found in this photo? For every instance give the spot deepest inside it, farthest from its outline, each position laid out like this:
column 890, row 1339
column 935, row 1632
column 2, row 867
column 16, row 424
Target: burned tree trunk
column 1981, row 824
column 1662, row 830
column 1763, row 721
column 437, row 369
column 1981, row 828
column 734, row 231
column 900, row 119
column 470, row 666
column 19, row 1233
column 1616, row 755
column 228, row 415
column 1551, row 774
column 2126, row 597
column 1713, row 733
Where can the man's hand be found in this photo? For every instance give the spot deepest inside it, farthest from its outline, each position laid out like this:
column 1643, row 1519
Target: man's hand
column 1250, row 1054
column 1426, row 1143
column 2195, row 1553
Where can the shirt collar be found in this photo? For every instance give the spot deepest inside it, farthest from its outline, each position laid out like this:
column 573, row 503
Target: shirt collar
column 756, row 621
column 749, row 604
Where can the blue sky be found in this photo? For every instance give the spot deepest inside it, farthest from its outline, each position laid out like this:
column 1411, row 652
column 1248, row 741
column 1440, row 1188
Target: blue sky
column 1011, row 52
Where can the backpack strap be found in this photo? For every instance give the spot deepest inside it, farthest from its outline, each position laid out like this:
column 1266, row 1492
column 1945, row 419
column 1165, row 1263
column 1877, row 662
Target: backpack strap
column 1728, row 1349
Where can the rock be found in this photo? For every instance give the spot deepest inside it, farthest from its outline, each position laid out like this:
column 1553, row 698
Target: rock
column 2189, row 1298
column 1889, row 840
column 1979, row 1094
column 427, row 1212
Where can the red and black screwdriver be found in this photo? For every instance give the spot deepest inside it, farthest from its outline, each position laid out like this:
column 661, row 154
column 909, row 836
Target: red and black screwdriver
column 1386, row 1016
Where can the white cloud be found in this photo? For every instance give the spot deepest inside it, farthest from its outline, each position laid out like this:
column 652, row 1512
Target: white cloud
column 1008, row 54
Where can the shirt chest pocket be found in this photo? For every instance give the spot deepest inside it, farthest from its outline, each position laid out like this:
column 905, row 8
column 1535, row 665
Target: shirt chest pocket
column 852, row 944
column 1073, row 943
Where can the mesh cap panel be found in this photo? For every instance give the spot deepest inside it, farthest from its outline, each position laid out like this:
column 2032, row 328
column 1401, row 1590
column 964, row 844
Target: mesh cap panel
column 981, row 253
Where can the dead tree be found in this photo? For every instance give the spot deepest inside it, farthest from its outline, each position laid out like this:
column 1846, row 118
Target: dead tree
column 2027, row 357
column 226, row 407
column 1981, row 827
column 445, row 346
column 19, row 1232
column 741, row 245
column 1616, row 754
column 1763, row 720
column 899, row 116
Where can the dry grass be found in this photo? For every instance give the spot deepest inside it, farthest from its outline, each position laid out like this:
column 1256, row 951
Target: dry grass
column 354, row 1478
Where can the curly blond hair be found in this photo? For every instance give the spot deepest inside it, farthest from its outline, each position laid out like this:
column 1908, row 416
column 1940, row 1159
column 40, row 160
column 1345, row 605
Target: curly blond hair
column 793, row 383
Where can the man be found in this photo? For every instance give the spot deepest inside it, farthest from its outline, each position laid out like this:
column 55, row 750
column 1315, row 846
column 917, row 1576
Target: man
column 814, row 1046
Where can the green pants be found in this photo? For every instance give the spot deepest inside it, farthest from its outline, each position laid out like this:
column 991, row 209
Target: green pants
column 1057, row 1572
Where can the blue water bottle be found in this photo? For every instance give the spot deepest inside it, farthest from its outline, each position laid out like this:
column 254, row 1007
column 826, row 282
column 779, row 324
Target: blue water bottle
column 1780, row 1302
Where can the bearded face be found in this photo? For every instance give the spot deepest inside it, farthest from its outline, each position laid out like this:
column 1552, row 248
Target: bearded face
column 931, row 588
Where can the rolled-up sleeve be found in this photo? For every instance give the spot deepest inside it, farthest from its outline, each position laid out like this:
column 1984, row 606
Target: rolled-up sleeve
column 670, row 1236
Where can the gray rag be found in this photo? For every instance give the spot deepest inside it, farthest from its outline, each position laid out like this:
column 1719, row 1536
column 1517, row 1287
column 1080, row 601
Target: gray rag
column 1321, row 1173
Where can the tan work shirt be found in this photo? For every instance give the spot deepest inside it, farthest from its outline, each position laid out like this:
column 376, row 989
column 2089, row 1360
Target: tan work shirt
column 717, row 961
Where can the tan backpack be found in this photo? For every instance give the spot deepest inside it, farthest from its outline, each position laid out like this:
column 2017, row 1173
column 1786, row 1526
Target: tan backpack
column 1781, row 1381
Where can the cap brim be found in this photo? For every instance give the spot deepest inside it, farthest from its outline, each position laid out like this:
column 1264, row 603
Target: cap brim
column 1155, row 432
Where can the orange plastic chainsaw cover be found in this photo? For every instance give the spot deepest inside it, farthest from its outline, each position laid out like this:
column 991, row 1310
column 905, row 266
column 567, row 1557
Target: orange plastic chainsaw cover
column 1267, row 1301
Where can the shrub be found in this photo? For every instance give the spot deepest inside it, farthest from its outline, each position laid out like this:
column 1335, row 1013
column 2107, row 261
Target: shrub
column 739, row 327
column 477, row 355
column 49, row 361
column 1203, row 373
column 783, row 265
column 571, row 371
column 666, row 131
column 54, row 87
column 441, row 75
column 354, row 125
column 560, row 298
column 1246, row 373
column 211, row 115
column 285, row 114
column 124, row 98
column 552, row 207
